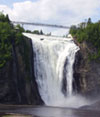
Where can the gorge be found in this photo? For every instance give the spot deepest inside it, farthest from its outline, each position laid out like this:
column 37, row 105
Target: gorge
column 48, row 70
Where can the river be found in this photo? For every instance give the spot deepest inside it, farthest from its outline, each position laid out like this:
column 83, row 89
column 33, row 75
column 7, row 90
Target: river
column 44, row 111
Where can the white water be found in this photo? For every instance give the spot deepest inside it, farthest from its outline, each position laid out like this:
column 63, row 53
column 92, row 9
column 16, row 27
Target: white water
column 53, row 60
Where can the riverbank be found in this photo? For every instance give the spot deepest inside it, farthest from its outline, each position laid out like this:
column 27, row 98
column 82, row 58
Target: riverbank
column 14, row 115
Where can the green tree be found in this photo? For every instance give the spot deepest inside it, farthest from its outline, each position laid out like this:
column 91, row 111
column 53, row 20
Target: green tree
column 73, row 30
column 36, row 32
column 89, row 21
column 41, row 32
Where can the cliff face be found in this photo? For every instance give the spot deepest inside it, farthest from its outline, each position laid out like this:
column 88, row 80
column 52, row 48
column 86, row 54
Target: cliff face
column 87, row 72
column 17, row 81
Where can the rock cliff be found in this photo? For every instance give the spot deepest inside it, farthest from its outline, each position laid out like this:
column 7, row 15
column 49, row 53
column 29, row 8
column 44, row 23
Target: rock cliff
column 17, row 81
column 86, row 71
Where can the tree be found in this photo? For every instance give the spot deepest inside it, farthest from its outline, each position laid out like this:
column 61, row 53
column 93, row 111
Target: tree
column 36, row 32
column 73, row 30
column 41, row 32
column 19, row 28
column 89, row 21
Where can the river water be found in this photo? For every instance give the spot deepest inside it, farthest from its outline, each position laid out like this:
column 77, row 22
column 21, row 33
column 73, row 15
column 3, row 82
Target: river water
column 44, row 111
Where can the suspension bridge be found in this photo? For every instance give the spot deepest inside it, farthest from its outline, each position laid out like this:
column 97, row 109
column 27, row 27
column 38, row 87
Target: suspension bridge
column 41, row 24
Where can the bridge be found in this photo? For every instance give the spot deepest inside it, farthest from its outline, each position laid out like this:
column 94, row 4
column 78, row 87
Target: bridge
column 41, row 24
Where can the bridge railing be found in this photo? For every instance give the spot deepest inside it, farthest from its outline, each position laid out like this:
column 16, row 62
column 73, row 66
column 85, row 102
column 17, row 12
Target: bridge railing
column 41, row 24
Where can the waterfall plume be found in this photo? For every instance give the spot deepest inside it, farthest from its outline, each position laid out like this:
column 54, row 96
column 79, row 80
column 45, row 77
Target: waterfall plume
column 53, row 67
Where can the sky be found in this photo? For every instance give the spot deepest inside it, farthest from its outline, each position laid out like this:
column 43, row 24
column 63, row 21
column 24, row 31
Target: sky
column 61, row 12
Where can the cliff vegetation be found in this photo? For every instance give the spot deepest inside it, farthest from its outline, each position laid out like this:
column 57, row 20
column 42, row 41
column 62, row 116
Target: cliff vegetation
column 87, row 64
column 17, row 80
column 88, row 32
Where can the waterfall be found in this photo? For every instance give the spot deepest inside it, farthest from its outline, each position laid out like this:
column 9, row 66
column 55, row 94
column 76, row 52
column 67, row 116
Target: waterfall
column 53, row 67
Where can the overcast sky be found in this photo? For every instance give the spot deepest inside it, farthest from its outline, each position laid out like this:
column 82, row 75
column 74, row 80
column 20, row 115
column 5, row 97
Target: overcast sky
column 62, row 12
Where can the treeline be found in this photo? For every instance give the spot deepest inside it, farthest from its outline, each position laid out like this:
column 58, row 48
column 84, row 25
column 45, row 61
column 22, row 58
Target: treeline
column 35, row 32
column 10, row 36
column 89, row 32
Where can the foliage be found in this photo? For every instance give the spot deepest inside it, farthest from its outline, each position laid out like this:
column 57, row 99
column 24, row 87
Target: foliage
column 36, row 32
column 8, row 35
column 11, row 36
column 4, row 18
column 18, row 34
column 89, row 32
column 41, row 32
